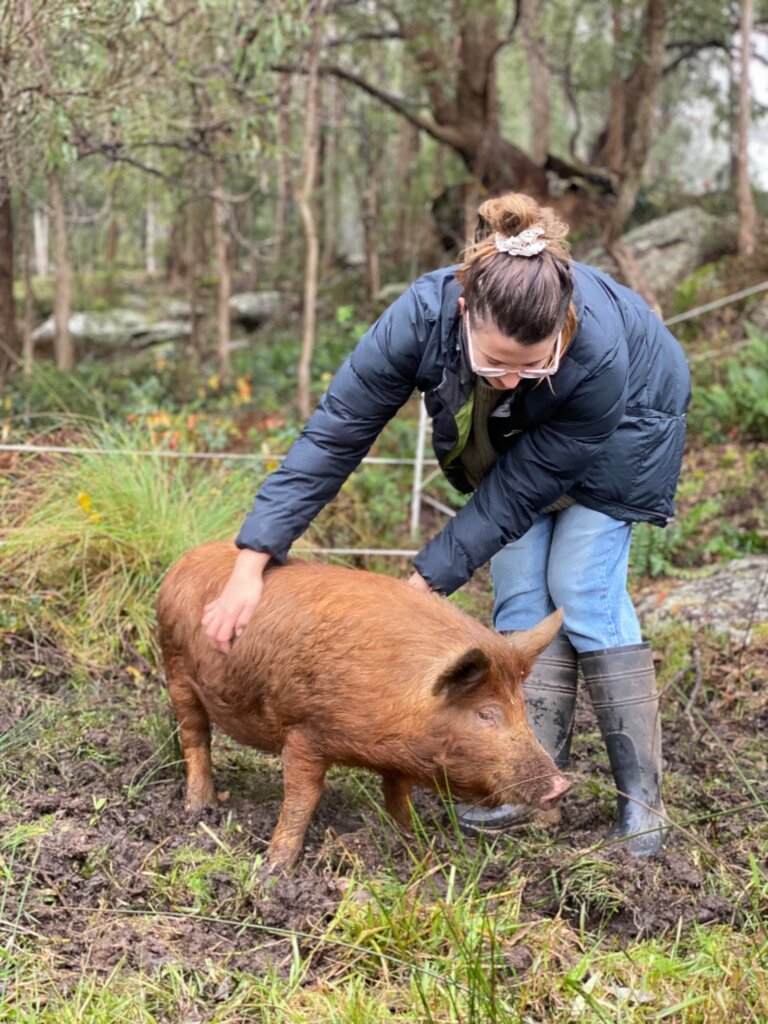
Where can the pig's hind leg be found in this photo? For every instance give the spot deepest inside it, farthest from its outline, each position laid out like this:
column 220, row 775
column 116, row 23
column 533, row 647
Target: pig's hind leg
column 303, row 780
column 194, row 735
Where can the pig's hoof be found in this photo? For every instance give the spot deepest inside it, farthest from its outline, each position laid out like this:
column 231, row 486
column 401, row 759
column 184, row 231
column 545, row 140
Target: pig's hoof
column 281, row 858
column 281, row 866
column 475, row 820
column 203, row 812
column 199, row 799
column 266, row 877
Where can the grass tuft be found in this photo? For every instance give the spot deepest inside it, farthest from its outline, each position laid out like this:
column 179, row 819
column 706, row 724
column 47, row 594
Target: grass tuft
column 96, row 533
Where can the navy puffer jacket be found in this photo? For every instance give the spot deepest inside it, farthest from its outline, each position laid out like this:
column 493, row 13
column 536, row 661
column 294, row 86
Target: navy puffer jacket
column 609, row 431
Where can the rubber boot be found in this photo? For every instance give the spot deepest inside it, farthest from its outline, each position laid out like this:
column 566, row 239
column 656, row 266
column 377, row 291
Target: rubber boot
column 550, row 704
column 622, row 686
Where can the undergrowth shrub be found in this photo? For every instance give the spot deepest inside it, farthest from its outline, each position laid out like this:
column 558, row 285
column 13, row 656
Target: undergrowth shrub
column 735, row 401
column 87, row 547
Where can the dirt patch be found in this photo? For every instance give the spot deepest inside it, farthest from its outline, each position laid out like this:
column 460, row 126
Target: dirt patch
column 95, row 832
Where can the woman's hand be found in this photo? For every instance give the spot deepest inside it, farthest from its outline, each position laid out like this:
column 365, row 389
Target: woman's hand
column 418, row 582
column 232, row 610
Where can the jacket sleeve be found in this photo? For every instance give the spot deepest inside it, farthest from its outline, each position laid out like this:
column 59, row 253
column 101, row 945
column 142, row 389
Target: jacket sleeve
column 374, row 382
column 543, row 465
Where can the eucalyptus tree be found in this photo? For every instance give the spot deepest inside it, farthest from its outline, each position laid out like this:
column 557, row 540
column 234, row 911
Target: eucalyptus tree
column 606, row 65
column 172, row 89
column 61, row 71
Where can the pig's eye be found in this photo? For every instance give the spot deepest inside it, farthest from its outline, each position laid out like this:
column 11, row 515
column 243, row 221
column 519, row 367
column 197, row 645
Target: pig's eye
column 488, row 715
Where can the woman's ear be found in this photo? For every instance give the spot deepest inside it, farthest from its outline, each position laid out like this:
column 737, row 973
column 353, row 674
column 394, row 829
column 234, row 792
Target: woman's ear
column 462, row 304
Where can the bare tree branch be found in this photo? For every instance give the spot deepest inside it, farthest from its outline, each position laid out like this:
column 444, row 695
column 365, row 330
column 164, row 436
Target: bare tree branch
column 442, row 133
column 690, row 48
column 358, row 37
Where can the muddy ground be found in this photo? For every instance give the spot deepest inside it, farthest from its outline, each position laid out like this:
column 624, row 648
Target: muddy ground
column 100, row 782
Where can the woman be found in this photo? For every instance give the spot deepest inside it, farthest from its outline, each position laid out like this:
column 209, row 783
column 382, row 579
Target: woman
column 559, row 399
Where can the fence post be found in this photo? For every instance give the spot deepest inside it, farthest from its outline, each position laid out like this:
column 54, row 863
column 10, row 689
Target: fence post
column 418, row 469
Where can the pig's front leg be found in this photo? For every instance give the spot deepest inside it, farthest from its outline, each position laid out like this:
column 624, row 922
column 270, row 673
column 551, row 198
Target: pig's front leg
column 303, row 779
column 397, row 799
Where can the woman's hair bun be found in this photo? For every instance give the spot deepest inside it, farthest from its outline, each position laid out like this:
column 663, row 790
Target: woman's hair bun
column 509, row 214
column 513, row 212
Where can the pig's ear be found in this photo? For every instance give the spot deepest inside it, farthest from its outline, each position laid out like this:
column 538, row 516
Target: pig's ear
column 465, row 674
column 531, row 642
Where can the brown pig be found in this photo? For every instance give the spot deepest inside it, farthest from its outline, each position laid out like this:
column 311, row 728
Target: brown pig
column 342, row 666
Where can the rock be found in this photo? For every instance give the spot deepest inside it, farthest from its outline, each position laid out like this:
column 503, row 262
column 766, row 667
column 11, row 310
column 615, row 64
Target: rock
column 114, row 328
column 163, row 330
column 252, row 309
column 732, row 599
column 109, row 328
column 180, row 309
column 670, row 248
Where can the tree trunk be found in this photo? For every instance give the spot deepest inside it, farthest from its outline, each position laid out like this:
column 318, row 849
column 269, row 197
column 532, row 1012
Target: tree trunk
column 27, row 346
column 371, row 235
column 284, row 89
column 9, row 341
column 150, row 242
column 406, row 217
column 367, row 182
column 460, row 84
column 646, row 80
column 612, row 151
column 538, row 77
column 495, row 163
column 41, row 224
column 113, row 232
column 467, row 122
column 63, row 347
column 308, row 175
column 193, row 281
column 177, row 259
column 331, row 205
column 221, row 215
column 746, row 201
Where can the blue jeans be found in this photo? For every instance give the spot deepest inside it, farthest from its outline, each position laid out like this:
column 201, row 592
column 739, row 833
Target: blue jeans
column 576, row 560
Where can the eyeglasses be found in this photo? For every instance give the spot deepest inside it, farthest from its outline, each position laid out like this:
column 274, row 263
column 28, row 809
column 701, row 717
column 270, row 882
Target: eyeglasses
column 502, row 371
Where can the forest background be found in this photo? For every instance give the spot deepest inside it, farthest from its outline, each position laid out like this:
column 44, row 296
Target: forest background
column 202, row 206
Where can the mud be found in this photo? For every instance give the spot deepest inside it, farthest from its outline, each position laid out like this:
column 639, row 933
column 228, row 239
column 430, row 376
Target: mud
column 89, row 768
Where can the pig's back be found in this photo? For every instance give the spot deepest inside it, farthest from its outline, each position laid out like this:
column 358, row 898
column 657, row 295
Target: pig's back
column 319, row 631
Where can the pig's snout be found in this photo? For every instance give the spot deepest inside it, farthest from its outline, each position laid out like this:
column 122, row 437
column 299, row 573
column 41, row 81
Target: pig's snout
column 558, row 786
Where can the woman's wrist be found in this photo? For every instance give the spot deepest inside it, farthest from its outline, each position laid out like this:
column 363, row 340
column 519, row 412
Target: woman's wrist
column 251, row 563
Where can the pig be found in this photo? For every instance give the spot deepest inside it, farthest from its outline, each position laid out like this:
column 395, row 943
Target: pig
column 344, row 666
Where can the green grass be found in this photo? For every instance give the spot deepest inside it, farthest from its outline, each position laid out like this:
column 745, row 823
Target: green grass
column 96, row 532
